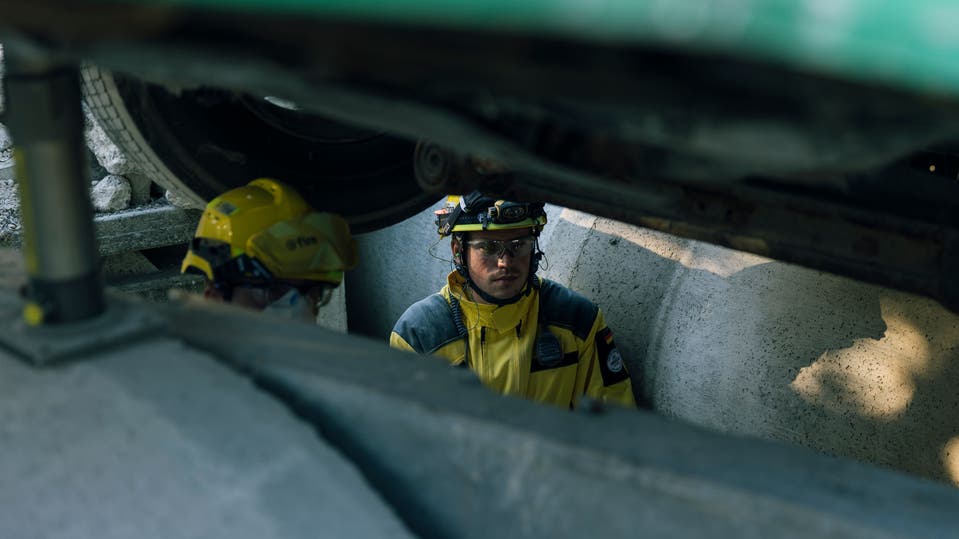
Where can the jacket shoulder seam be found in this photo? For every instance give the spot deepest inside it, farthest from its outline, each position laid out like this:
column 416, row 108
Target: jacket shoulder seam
column 427, row 325
column 562, row 307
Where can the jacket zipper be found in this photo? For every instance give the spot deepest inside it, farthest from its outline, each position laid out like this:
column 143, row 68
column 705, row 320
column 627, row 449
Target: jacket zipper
column 519, row 365
column 486, row 367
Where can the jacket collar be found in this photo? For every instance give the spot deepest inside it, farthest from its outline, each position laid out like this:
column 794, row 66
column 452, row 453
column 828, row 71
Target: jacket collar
column 499, row 317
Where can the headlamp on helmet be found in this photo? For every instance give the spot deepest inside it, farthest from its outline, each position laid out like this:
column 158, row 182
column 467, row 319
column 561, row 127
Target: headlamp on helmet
column 475, row 212
column 504, row 212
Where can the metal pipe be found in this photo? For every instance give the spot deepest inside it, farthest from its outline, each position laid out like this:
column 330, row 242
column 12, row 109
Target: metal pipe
column 59, row 247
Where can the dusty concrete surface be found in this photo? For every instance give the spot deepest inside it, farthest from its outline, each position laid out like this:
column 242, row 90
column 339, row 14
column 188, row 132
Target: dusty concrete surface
column 159, row 441
column 457, row 460
column 733, row 341
column 155, row 439
column 743, row 344
column 333, row 315
column 395, row 271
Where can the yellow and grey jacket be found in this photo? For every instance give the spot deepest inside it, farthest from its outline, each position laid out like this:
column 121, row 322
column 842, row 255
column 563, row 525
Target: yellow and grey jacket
column 551, row 346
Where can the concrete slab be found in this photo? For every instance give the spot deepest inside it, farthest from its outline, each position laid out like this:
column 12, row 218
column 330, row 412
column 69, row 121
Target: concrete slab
column 744, row 344
column 159, row 441
column 145, row 227
column 333, row 315
column 156, row 439
column 396, row 270
column 456, row 460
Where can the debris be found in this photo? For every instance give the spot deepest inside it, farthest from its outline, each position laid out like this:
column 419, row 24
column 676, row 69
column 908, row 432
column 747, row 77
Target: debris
column 1, row 78
column 9, row 209
column 6, row 145
column 112, row 193
column 126, row 264
column 108, row 155
column 6, row 155
column 178, row 200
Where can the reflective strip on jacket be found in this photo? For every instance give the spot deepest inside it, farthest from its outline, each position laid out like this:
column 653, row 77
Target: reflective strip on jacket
column 503, row 343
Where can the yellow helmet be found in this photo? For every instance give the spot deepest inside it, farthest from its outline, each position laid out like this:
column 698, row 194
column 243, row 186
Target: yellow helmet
column 265, row 230
column 475, row 211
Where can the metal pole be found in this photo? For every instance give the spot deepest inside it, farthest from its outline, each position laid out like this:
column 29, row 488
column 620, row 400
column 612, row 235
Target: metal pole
column 59, row 247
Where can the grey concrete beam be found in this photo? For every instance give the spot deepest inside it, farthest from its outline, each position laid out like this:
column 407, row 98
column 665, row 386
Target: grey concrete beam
column 137, row 229
column 458, row 461
column 145, row 228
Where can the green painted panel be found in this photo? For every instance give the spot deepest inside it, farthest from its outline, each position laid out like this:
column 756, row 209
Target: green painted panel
column 913, row 43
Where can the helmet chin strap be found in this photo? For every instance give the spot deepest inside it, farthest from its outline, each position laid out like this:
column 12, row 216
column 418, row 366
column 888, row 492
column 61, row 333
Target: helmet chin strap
column 496, row 301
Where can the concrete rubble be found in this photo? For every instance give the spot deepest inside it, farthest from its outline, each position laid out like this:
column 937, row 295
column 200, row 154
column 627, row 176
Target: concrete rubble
column 121, row 184
column 112, row 193
column 127, row 216
column 9, row 210
column 1, row 78
column 107, row 153
column 178, row 200
column 6, row 155
column 6, row 146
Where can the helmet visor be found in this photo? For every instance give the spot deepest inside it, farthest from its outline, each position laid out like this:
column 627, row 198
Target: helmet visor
column 215, row 252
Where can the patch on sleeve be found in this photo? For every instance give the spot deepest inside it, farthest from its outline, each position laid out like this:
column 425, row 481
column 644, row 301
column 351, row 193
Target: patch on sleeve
column 610, row 360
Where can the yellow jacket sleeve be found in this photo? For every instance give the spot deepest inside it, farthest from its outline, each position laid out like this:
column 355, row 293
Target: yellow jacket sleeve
column 397, row 342
column 607, row 378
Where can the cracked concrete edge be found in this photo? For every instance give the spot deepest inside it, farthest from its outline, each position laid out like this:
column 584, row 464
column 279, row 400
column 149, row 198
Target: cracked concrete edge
column 161, row 421
column 659, row 471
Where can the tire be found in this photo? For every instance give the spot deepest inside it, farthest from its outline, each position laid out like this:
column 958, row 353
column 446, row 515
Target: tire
column 200, row 143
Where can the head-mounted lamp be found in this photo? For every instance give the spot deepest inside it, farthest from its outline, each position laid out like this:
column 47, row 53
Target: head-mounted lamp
column 506, row 212
column 476, row 211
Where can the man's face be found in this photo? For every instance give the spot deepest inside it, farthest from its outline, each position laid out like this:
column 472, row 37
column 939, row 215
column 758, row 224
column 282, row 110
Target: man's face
column 501, row 276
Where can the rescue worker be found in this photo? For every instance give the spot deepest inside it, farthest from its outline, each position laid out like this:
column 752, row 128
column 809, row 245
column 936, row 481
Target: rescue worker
column 261, row 246
column 522, row 335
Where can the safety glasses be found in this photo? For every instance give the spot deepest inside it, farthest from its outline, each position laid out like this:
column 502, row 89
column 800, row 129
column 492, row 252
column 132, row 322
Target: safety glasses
column 518, row 247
